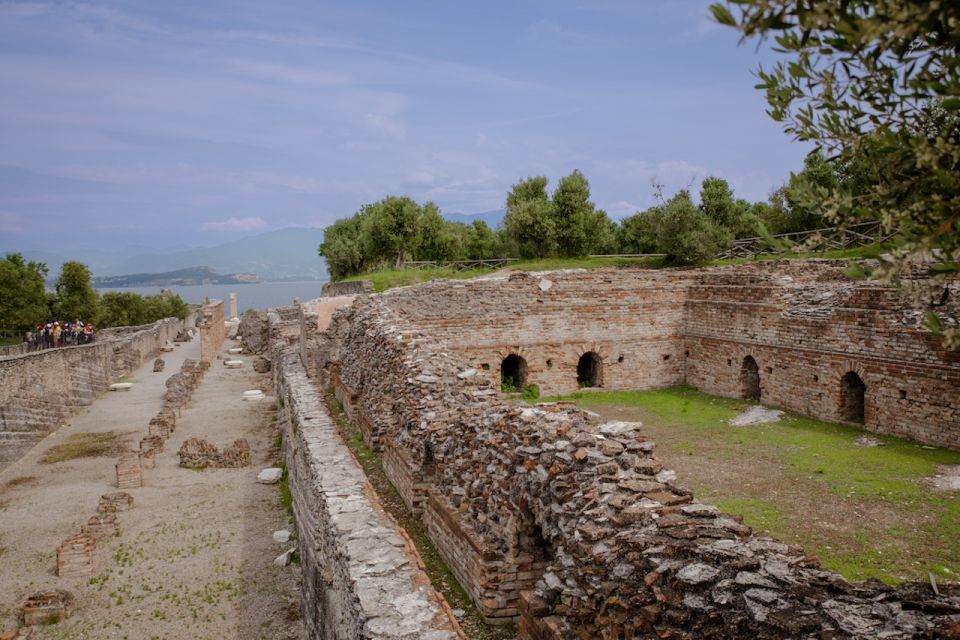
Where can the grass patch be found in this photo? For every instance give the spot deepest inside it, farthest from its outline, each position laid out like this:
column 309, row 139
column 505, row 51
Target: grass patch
column 19, row 481
column 391, row 278
column 440, row 575
column 88, row 445
column 864, row 511
column 286, row 498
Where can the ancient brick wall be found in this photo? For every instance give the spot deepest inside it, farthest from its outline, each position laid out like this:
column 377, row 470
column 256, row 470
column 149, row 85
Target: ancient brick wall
column 806, row 326
column 361, row 577
column 212, row 330
column 632, row 319
column 806, row 331
column 39, row 390
column 576, row 526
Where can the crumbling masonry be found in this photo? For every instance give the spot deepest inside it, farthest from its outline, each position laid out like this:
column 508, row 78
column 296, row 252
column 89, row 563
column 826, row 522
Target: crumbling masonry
column 576, row 528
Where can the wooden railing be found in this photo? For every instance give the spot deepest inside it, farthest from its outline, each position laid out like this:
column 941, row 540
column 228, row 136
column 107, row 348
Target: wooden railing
column 815, row 240
column 460, row 265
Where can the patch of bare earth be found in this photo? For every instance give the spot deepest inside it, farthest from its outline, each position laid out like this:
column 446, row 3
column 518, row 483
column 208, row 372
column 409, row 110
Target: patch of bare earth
column 195, row 558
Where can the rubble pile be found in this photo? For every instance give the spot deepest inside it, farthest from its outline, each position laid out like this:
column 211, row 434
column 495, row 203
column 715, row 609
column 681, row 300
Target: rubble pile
column 629, row 552
column 198, row 453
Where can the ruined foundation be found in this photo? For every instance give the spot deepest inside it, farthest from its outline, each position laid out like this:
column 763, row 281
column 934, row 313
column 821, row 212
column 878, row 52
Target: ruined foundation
column 76, row 557
column 576, row 529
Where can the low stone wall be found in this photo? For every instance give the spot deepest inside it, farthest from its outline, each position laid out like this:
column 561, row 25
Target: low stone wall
column 361, row 575
column 575, row 526
column 346, row 288
column 39, row 390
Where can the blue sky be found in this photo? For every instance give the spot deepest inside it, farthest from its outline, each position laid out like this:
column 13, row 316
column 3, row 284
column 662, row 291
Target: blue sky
column 190, row 123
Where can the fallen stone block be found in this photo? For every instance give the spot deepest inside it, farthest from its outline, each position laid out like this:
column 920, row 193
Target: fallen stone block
column 284, row 558
column 167, row 347
column 121, row 386
column 45, row 607
column 261, row 365
column 281, row 536
column 114, row 502
column 129, row 472
column 271, row 475
column 158, row 365
column 102, row 526
column 235, row 350
column 233, row 364
column 76, row 556
column 253, row 395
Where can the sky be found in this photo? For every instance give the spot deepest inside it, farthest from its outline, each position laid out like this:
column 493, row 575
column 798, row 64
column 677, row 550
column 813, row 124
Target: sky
column 171, row 123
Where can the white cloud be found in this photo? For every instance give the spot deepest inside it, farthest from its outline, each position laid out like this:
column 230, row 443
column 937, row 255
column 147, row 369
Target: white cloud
column 235, row 224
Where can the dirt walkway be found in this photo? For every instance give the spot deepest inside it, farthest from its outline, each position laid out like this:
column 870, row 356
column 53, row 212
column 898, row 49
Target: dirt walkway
column 196, row 556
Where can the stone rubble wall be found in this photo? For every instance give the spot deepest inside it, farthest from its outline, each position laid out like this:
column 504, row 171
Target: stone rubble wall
column 576, row 527
column 39, row 390
column 804, row 323
column 361, row 575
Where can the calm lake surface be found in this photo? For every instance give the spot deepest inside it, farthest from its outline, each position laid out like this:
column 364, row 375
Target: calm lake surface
column 261, row 295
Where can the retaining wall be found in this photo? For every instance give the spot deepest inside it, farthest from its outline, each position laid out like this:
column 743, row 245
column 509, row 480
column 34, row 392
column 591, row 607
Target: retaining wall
column 39, row 390
column 361, row 575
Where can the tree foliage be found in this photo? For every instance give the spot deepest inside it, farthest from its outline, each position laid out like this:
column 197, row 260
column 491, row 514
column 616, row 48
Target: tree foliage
column 23, row 298
column 875, row 85
column 686, row 234
column 76, row 297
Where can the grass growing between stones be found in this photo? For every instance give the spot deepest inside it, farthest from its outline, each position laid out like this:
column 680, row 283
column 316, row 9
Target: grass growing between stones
column 863, row 511
column 88, row 445
column 440, row 575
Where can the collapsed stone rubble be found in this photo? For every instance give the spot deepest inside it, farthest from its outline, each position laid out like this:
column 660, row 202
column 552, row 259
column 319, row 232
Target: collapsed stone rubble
column 198, row 453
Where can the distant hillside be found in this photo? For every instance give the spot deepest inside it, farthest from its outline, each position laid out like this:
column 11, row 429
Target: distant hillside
column 181, row 277
column 492, row 218
column 286, row 254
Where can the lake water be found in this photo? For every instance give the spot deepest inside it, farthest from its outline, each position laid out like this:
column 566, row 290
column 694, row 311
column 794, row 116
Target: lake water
column 260, row 295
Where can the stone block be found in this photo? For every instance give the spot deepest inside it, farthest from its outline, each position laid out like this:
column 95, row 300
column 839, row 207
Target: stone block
column 102, row 526
column 114, row 502
column 47, row 607
column 76, row 556
column 129, row 472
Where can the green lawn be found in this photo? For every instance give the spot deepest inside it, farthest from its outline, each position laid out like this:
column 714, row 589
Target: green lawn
column 864, row 511
column 390, row 278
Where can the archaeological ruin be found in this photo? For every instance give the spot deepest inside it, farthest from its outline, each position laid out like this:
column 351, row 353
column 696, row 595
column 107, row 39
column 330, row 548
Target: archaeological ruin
column 566, row 526
column 548, row 517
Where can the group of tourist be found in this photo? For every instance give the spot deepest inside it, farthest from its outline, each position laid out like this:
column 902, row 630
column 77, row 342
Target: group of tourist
column 54, row 334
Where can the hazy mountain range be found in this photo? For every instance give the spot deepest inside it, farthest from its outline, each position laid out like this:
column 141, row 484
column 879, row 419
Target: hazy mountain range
column 285, row 254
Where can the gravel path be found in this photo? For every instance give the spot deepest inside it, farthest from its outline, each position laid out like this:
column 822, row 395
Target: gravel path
column 196, row 556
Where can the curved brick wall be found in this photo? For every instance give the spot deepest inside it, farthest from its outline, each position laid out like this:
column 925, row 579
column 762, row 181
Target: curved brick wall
column 575, row 527
column 804, row 323
column 39, row 390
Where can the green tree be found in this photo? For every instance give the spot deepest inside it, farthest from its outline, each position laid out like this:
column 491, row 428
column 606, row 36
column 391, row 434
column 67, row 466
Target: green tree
column 391, row 228
column 77, row 298
column 529, row 229
column 482, row 242
column 686, row 234
column 874, row 82
column 23, row 299
column 342, row 247
column 735, row 215
column 638, row 233
column 440, row 239
column 577, row 224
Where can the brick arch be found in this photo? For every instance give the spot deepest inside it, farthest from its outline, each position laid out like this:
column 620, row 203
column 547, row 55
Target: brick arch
column 592, row 347
column 854, row 408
